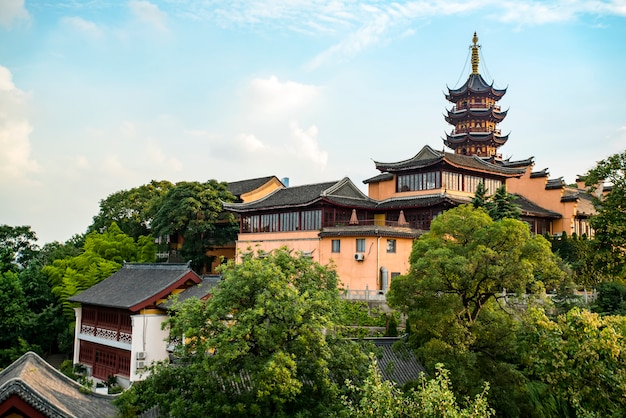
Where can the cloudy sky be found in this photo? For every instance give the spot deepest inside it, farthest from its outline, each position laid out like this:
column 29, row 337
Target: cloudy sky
column 98, row 96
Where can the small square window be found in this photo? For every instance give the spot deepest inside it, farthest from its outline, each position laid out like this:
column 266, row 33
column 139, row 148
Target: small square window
column 360, row 245
column 391, row 245
column 336, row 246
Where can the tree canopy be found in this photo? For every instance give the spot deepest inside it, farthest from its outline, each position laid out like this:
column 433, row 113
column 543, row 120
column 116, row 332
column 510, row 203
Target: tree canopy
column 580, row 358
column 131, row 209
column 499, row 206
column 103, row 254
column 454, row 295
column 194, row 211
column 470, row 259
column 609, row 223
column 264, row 344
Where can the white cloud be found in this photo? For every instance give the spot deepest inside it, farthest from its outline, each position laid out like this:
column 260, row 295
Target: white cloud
column 249, row 143
column 272, row 99
column 305, row 145
column 83, row 26
column 16, row 163
column 149, row 13
column 12, row 11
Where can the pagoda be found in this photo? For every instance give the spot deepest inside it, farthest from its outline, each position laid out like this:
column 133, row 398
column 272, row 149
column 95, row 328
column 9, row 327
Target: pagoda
column 475, row 114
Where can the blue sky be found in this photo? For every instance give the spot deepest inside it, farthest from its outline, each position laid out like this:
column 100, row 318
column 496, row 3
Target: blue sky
column 103, row 95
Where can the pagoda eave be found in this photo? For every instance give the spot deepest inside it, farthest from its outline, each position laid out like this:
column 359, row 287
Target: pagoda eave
column 453, row 141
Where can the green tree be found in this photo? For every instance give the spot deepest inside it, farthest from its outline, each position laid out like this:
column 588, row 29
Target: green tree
column 499, row 206
column 130, row 209
column 194, row 211
column 580, row 358
column 454, row 298
column 609, row 223
column 17, row 246
column 432, row 398
column 480, row 198
column 502, row 205
column 470, row 259
column 262, row 345
column 103, row 254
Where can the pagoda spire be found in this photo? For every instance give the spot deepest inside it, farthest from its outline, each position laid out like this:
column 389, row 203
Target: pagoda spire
column 475, row 114
column 475, row 59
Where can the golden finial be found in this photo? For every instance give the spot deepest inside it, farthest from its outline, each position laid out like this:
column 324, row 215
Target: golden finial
column 475, row 58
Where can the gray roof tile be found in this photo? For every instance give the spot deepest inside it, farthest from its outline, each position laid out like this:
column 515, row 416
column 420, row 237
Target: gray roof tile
column 49, row 391
column 135, row 284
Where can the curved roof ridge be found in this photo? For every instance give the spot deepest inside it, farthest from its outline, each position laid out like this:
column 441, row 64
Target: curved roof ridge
column 426, row 149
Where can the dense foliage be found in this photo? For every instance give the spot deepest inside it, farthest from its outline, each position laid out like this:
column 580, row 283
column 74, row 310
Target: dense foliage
column 455, row 296
column 131, row 210
column 103, row 254
column 431, row 398
column 264, row 344
column 609, row 223
column 193, row 211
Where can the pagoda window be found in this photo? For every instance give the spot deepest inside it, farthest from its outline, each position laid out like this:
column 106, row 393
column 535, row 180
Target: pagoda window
column 269, row 222
column 311, row 219
column 419, row 181
column 471, row 183
column 491, row 185
column 250, row 223
column 289, row 221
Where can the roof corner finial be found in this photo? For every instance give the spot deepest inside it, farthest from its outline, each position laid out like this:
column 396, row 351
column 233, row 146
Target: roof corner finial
column 475, row 59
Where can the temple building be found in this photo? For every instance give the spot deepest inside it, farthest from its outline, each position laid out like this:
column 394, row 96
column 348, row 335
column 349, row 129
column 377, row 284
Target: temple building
column 368, row 238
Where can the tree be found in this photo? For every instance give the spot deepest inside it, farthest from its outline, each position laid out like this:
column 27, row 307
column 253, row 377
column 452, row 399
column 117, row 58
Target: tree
column 17, row 246
column 470, row 259
column 130, row 209
column 580, row 358
column 499, row 206
column 262, row 345
column 433, row 398
column 502, row 205
column 103, row 254
column 454, row 295
column 609, row 223
column 194, row 211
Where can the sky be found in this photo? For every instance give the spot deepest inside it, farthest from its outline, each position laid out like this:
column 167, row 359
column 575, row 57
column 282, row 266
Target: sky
column 98, row 96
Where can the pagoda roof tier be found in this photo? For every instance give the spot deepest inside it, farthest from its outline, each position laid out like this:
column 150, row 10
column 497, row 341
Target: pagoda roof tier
column 490, row 114
column 428, row 157
column 490, row 138
column 475, row 86
column 340, row 193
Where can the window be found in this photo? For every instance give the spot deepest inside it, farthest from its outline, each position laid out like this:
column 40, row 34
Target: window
column 336, row 246
column 391, row 245
column 419, row 181
column 360, row 245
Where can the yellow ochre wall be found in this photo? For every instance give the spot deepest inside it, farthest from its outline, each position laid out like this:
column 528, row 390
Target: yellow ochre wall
column 354, row 275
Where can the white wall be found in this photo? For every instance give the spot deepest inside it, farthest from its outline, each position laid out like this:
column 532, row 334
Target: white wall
column 148, row 337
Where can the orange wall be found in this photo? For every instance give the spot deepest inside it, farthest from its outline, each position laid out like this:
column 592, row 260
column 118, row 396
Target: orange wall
column 534, row 189
column 354, row 275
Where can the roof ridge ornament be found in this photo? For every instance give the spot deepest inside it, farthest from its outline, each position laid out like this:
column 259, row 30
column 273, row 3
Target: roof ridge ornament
column 475, row 59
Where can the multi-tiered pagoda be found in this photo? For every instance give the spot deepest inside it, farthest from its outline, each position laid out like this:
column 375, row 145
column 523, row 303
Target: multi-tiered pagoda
column 475, row 114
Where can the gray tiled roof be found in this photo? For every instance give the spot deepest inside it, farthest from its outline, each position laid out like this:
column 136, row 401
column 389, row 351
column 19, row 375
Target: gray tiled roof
column 238, row 188
column 530, row 208
column 379, row 177
column 552, row 184
column 50, row 392
column 397, row 362
column 427, row 157
column 135, row 284
column 371, row 230
column 342, row 192
column 200, row 291
column 422, row 201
